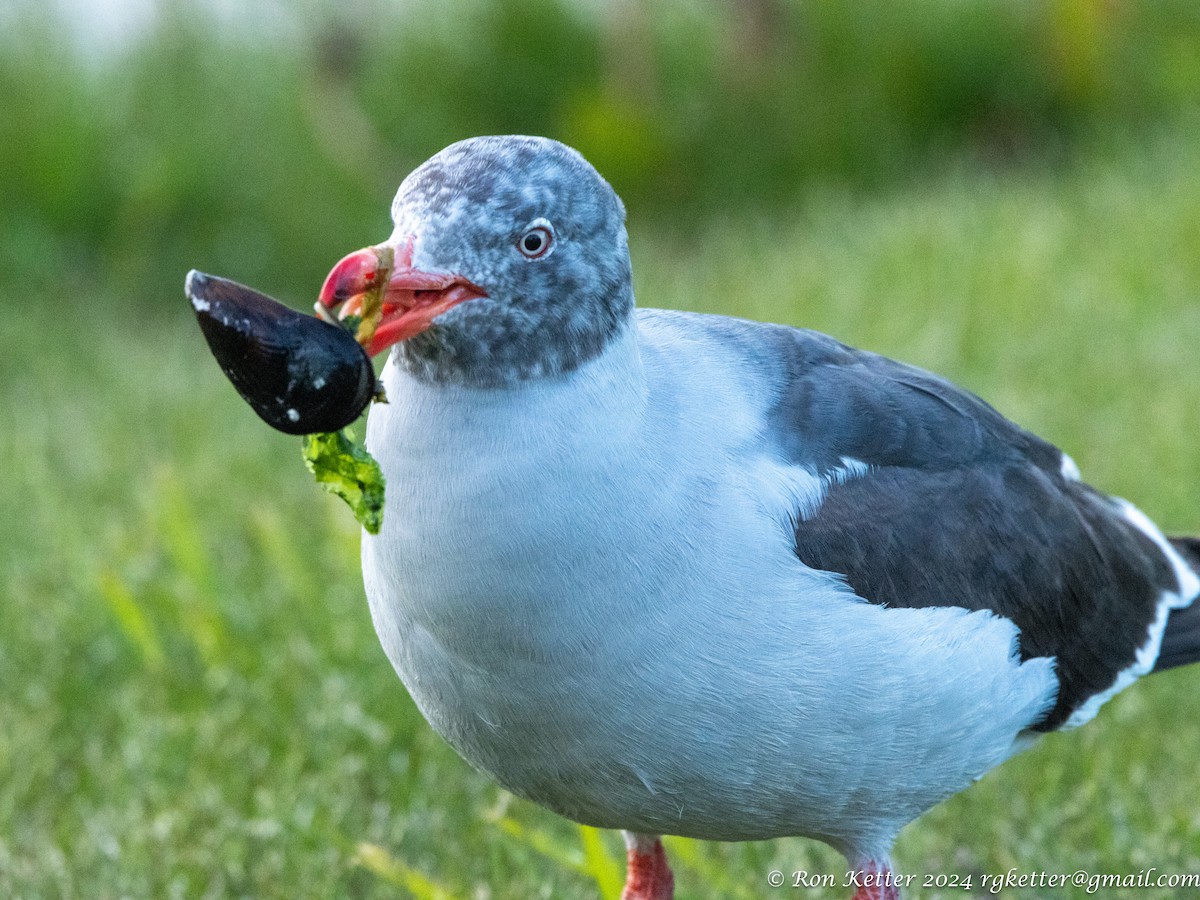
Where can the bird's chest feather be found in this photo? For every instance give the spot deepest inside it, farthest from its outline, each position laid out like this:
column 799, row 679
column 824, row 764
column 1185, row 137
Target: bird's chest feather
column 501, row 507
column 515, row 540
column 514, row 529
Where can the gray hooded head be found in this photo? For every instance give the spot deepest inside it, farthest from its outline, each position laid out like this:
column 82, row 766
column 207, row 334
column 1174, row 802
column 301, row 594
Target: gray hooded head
column 529, row 221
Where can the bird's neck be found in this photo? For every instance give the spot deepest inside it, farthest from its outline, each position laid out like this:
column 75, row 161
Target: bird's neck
column 502, row 346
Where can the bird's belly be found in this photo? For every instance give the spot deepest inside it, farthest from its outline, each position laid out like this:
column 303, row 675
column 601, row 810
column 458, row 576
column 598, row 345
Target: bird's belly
column 507, row 652
column 609, row 690
column 561, row 652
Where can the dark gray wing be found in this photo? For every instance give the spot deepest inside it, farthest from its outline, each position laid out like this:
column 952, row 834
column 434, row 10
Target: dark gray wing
column 962, row 508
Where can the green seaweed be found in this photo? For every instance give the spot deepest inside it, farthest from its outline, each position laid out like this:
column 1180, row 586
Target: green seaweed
column 347, row 469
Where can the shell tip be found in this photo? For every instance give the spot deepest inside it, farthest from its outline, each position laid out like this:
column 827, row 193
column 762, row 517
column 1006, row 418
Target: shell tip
column 193, row 286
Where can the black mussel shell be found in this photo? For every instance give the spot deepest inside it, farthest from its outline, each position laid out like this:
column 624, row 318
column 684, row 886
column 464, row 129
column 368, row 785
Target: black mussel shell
column 301, row 375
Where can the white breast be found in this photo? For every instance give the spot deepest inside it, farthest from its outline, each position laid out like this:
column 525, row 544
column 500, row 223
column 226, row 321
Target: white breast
column 589, row 589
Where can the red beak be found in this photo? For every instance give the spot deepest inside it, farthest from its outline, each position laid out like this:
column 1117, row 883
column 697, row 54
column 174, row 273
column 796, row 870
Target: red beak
column 408, row 299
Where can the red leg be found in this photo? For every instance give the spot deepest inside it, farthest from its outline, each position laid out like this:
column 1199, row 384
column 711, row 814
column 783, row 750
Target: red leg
column 875, row 881
column 648, row 876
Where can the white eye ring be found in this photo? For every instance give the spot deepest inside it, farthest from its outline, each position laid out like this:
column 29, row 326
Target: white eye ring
column 537, row 240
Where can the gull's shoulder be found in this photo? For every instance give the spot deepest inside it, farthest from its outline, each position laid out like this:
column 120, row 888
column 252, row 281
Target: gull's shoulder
column 821, row 400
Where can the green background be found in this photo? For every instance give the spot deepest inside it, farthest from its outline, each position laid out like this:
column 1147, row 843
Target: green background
column 192, row 700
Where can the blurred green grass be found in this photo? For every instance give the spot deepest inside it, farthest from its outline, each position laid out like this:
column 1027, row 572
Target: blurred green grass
column 194, row 702
column 232, row 147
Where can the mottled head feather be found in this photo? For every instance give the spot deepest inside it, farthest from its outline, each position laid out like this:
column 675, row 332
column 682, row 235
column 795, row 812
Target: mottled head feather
column 467, row 208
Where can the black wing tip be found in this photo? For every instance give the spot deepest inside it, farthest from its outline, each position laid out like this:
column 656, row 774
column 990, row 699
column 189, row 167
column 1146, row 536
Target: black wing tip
column 1181, row 637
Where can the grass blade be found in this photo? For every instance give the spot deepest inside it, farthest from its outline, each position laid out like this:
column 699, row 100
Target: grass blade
column 380, row 862
column 542, row 843
column 133, row 622
column 600, row 864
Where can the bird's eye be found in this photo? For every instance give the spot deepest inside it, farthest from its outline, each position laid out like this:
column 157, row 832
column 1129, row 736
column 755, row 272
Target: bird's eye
column 536, row 240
